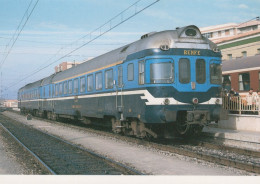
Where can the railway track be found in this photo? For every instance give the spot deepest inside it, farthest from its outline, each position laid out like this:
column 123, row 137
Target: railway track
column 213, row 152
column 59, row 156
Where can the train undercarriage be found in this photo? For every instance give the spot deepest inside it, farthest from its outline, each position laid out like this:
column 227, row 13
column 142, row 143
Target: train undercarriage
column 189, row 123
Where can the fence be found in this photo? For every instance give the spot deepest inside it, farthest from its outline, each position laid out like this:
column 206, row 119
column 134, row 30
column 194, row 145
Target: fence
column 241, row 105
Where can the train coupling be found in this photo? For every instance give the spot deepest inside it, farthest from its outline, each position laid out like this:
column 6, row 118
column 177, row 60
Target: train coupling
column 198, row 117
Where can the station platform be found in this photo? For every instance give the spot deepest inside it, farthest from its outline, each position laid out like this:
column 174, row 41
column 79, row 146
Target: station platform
column 237, row 138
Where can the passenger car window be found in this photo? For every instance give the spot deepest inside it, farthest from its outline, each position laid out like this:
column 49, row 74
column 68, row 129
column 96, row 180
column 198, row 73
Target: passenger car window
column 130, row 72
column 99, row 81
column 109, row 79
column 141, row 72
column 184, row 70
column 90, row 82
column 82, row 84
column 120, row 76
column 76, row 86
column 200, row 71
column 70, row 87
column 65, row 87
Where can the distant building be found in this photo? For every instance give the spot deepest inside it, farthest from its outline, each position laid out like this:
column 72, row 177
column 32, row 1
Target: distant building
column 11, row 103
column 235, row 40
column 65, row 65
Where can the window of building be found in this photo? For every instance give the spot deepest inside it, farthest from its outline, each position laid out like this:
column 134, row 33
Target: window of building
column 219, row 33
column 229, row 56
column 82, row 84
column 141, row 72
column 109, row 79
column 244, row 54
column 120, row 76
column 70, row 87
column 226, row 82
column 244, row 82
column 90, row 83
column 60, row 89
column 65, row 87
column 208, row 35
column 184, row 70
column 215, row 73
column 162, row 72
column 200, row 71
column 99, row 81
column 130, row 72
column 258, row 51
column 227, row 32
column 76, row 86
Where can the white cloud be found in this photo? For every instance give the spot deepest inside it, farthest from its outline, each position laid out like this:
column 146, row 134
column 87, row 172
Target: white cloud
column 243, row 6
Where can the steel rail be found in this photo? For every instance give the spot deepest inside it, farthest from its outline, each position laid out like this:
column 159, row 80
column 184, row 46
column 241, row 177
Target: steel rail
column 27, row 149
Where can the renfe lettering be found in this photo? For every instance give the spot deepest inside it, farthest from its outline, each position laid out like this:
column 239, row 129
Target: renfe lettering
column 192, row 52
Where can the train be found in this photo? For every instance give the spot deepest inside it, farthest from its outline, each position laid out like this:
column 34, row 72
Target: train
column 241, row 74
column 165, row 84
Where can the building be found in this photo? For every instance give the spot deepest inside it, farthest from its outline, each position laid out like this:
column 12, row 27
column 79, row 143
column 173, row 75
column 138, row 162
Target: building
column 11, row 103
column 235, row 40
column 241, row 74
column 65, row 65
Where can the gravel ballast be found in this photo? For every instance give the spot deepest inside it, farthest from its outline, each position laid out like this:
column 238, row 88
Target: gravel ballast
column 144, row 159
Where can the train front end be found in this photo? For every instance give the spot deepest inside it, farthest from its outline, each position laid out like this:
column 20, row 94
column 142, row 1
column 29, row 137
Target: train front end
column 184, row 78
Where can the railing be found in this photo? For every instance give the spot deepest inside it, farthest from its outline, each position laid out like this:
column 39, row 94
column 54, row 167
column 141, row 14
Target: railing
column 242, row 105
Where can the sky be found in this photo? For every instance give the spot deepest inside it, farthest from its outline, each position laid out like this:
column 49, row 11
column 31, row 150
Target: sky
column 52, row 30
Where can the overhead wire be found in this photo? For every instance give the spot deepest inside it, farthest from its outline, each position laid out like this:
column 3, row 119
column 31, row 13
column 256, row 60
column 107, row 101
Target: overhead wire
column 91, row 40
column 18, row 34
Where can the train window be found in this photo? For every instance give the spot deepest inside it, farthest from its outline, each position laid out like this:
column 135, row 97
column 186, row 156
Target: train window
column 215, row 73
column 82, row 84
column 162, row 72
column 70, row 87
column 109, row 79
column 130, row 72
column 76, row 86
column 120, row 76
column 141, row 72
column 99, row 81
column 49, row 90
column 43, row 91
column 226, row 82
column 60, row 89
column 90, row 83
column 65, row 87
column 184, row 70
column 53, row 90
column 200, row 71
column 56, row 90
column 244, row 82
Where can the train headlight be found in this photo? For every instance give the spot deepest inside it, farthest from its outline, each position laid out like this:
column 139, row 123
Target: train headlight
column 195, row 100
column 166, row 101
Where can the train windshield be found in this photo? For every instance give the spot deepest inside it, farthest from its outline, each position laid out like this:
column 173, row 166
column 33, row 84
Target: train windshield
column 215, row 73
column 162, row 73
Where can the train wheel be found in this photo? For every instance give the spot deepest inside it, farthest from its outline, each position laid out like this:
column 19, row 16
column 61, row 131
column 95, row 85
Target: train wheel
column 182, row 128
column 197, row 129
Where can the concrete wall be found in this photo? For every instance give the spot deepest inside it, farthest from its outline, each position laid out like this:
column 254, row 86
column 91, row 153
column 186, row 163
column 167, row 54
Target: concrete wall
column 241, row 122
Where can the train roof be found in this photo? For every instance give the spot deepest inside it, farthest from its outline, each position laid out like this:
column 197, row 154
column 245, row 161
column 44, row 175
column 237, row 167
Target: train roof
column 173, row 38
column 241, row 64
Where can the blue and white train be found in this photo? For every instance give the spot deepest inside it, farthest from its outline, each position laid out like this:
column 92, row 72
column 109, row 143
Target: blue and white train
column 167, row 82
